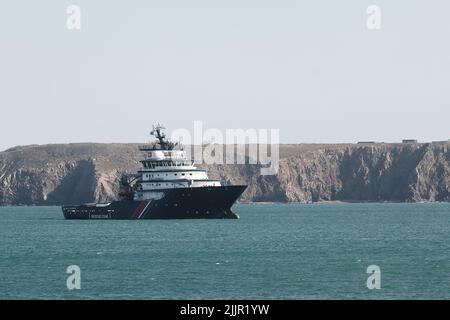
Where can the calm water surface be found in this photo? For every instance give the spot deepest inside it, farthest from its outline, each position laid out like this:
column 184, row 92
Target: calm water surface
column 319, row 251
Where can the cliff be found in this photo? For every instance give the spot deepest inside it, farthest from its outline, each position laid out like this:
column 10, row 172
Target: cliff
column 77, row 173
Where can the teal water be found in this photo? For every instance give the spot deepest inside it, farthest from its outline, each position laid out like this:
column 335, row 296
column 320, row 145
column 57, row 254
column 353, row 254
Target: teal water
column 319, row 251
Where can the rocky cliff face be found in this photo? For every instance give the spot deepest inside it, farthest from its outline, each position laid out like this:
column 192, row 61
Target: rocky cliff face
column 77, row 173
column 63, row 174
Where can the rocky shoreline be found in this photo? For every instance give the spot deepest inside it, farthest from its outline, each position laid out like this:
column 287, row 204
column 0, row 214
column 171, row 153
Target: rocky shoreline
column 308, row 173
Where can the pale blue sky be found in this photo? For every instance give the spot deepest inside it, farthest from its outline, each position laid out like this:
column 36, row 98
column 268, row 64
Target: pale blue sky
column 310, row 68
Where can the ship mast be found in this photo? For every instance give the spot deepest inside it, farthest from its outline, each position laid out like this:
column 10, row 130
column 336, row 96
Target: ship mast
column 161, row 136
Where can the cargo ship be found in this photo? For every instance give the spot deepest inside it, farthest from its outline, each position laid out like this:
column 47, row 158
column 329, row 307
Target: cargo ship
column 167, row 186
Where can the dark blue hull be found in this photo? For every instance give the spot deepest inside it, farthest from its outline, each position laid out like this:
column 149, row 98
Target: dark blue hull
column 179, row 203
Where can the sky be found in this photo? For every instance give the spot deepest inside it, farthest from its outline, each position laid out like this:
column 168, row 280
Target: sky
column 311, row 69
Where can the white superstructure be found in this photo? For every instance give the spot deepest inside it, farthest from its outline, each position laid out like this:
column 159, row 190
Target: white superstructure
column 165, row 167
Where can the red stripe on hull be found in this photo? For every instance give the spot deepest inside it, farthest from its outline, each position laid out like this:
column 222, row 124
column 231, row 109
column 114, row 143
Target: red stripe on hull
column 139, row 210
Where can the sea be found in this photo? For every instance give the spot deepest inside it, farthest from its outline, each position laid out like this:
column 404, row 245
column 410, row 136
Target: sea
column 274, row 251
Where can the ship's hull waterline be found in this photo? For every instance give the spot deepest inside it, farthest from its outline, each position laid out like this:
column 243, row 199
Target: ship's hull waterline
column 177, row 203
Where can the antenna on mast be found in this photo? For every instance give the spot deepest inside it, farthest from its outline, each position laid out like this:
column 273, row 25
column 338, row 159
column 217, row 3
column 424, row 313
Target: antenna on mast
column 160, row 135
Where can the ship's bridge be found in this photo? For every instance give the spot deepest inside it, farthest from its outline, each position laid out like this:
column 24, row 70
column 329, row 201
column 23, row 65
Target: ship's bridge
column 155, row 155
column 181, row 164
